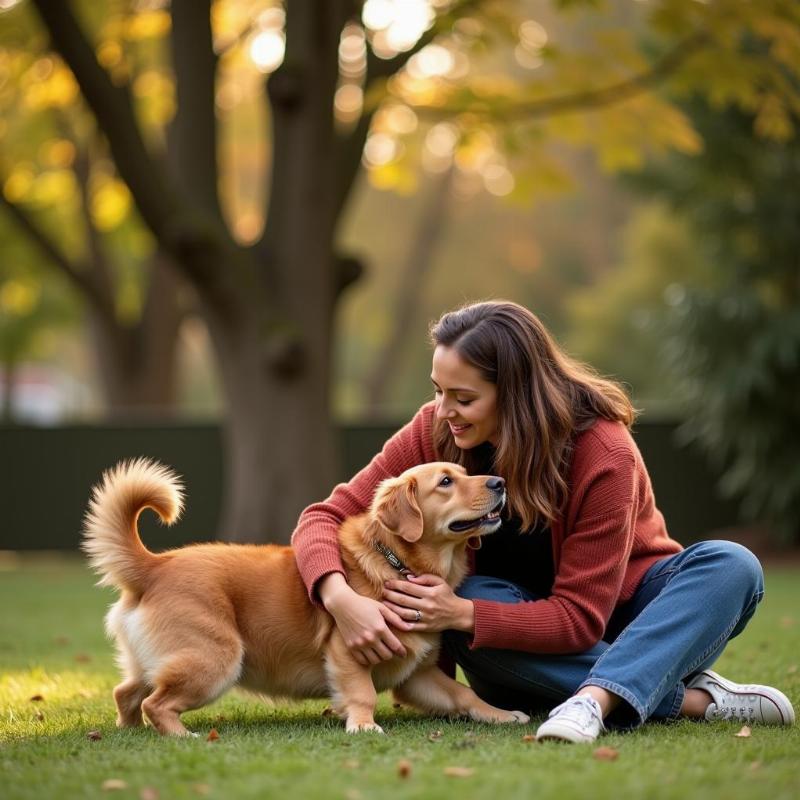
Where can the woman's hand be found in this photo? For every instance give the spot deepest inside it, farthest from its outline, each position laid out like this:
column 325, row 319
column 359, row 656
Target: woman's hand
column 429, row 604
column 362, row 621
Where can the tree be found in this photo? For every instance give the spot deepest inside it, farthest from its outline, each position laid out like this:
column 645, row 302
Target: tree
column 736, row 346
column 270, row 305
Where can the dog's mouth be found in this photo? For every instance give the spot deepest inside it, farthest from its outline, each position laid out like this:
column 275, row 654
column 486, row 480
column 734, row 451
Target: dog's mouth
column 491, row 519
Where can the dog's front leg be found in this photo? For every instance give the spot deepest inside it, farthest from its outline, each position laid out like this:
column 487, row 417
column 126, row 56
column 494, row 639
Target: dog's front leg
column 429, row 689
column 353, row 692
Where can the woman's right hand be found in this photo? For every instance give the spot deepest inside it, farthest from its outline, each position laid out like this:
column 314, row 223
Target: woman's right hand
column 362, row 621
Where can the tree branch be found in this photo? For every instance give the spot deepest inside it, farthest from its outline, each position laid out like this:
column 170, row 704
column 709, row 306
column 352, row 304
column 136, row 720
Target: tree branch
column 113, row 109
column 194, row 127
column 76, row 275
column 585, row 100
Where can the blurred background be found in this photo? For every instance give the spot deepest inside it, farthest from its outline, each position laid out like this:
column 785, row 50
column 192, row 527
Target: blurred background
column 226, row 227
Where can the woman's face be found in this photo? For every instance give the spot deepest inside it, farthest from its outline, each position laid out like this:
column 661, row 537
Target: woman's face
column 464, row 398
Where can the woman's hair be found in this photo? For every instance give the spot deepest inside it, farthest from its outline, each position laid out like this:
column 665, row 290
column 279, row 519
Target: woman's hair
column 544, row 398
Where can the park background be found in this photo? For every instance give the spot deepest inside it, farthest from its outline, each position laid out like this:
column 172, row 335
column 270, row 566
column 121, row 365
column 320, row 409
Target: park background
column 226, row 227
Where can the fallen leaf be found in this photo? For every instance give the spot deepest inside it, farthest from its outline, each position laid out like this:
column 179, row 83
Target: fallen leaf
column 435, row 735
column 397, row 705
column 113, row 784
column 327, row 712
column 351, row 763
column 61, row 640
column 787, row 622
column 212, row 735
column 458, row 772
column 404, row 768
column 606, row 754
column 95, row 736
column 744, row 733
column 84, row 693
column 83, row 658
column 792, row 669
column 201, row 788
column 528, row 737
column 148, row 793
column 37, row 698
column 755, row 766
column 39, row 715
column 352, row 794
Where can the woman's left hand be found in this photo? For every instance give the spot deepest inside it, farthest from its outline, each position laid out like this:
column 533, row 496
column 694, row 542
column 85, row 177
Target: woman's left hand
column 429, row 603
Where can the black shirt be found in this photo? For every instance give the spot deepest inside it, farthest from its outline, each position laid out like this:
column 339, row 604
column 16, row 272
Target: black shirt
column 524, row 558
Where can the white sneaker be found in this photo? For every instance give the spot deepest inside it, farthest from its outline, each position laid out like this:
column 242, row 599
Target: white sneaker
column 579, row 719
column 743, row 702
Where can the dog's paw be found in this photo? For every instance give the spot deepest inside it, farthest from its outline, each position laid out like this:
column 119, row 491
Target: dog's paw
column 360, row 727
column 520, row 718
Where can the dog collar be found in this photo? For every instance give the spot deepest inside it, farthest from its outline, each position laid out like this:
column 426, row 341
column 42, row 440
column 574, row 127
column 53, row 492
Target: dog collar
column 392, row 558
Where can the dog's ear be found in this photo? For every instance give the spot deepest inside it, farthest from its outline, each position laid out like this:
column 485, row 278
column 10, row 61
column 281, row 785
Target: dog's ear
column 396, row 508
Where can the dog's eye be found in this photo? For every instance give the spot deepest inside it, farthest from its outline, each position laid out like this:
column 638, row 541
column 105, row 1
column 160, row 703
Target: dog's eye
column 446, row 481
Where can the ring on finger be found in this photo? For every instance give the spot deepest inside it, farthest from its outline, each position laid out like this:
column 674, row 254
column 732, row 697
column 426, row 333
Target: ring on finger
column 419, row 615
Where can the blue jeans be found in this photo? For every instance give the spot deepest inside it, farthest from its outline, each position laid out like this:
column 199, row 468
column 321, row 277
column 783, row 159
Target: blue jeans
column 682, row 615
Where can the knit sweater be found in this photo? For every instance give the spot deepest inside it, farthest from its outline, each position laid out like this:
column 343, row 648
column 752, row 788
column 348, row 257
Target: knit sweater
column 609, row 534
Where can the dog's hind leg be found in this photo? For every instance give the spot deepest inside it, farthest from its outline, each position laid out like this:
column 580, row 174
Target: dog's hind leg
column 129, row 696
column 185, row 682
column 429, row 689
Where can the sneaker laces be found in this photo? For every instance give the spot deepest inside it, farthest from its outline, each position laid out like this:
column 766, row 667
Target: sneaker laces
column 582, row 709
column 730, row 711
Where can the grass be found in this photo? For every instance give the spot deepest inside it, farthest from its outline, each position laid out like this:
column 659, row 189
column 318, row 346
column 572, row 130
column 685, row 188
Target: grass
column 52, row 645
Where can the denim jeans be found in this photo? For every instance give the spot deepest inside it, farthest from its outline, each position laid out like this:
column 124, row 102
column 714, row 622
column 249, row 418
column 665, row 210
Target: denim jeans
column 677, row 623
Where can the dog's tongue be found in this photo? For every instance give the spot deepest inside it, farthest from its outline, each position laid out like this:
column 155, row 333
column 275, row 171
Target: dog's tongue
column 474, row 542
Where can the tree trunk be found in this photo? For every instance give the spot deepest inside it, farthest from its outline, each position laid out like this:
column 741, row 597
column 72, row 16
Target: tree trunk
column 137, row 365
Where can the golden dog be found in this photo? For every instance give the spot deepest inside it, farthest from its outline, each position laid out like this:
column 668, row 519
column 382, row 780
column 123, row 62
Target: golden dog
column 195, row 621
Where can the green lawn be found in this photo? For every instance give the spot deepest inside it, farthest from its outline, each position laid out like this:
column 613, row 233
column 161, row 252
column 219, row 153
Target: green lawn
column 52, row 645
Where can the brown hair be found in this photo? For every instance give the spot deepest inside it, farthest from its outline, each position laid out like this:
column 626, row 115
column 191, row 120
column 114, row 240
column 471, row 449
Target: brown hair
column 544, row 397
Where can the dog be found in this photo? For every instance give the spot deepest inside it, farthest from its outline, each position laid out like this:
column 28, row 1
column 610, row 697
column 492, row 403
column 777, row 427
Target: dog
column 195, row 621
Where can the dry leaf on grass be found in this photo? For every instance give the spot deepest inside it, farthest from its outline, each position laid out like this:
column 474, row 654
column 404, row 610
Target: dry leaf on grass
column 787, row 622
column 434, row 736
column 744, row 733
column 755, row 766
column 213, row 735
column 792, row 669
column 201, row 788
column 404, row 768
column 606, row 754
column 113, row 785
column 397, row 705
column 39, row 715
column 83, row 658
column 351, row 763
column 528, row 737
column 459, row 772
column 94, row 736
column 328, row 712
column 148, row 793
column 37, row 698
column 353, row 794
column 61, row 640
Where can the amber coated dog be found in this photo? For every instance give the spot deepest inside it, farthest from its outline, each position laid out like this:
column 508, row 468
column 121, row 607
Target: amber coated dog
column 195, row 621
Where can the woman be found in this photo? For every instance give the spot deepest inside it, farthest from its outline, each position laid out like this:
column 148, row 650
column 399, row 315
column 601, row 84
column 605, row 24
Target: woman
column 582, row 598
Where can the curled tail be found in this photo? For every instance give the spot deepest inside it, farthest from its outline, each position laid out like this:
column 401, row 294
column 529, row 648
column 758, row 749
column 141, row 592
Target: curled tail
column 110, row 532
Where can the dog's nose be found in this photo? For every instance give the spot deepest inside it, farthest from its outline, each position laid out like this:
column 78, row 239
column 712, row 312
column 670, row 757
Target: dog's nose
column 496, row 485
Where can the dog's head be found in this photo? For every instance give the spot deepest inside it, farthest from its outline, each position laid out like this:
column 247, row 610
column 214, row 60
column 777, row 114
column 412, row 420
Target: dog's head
column 439, row 501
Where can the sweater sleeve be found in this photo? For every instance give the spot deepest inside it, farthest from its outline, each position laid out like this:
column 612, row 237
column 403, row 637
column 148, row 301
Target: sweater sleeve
column 591, row 569
column 315, row 540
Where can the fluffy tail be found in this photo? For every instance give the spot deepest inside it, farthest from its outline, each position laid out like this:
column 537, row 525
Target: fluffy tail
column 110, row 533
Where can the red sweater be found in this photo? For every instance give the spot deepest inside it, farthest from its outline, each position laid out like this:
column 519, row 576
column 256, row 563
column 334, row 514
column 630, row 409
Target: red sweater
column 610, row 534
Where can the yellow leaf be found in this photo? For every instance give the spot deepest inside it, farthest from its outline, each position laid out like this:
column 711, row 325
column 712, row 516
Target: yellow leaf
column 147, row 25
column 110, row 204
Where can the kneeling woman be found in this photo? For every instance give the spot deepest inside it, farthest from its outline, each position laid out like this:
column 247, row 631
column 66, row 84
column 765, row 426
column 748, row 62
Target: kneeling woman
column 582, row 599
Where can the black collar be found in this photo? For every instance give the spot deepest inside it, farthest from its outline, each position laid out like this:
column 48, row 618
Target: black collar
column 392, row 558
